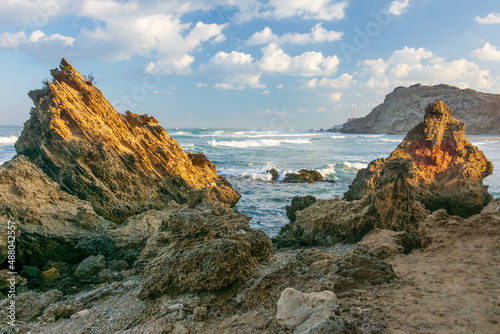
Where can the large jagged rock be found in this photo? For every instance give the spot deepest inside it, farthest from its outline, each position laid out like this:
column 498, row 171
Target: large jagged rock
column 207, row 248
column 403, row 109
column 123, row 165
column 50, row 222
column 434, row 167
column 446, row 170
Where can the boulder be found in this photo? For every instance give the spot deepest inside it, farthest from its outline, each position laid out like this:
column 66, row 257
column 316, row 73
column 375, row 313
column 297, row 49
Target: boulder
column 384, row 243
column 299, row 203
column 88, row 270
column 30, row 305
column 303, row 176
column 122, row 164
column 274, row 174
column 207, row 248
column 295, row 307
column 446, row 171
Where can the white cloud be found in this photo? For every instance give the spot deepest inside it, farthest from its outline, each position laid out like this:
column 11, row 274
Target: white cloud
column 318, row 34
column 171, row 66
column 409, row 66
column 321, row 109
column 491, row 18
column 343, row 81
column 236, row 69
column 336, row 97
column 37, row 39
column 266, row 92
column 398, row 7
column 201, row 85
column 488, row 52
column 275, row 60
column 307, row 9
column 34, row 14
column 149, row 29
column 279, row 86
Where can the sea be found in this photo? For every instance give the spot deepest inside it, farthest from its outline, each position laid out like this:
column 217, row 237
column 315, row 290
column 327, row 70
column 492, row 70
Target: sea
column 245, row 156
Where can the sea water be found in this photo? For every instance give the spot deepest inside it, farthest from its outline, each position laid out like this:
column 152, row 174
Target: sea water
column 245, row 156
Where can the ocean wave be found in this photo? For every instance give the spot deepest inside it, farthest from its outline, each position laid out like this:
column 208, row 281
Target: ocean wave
column 387, row 140
column 337, row 137
column 327, row 171
column 254, row 173
column 8, row 140
column 251, row 143
column 354, row 165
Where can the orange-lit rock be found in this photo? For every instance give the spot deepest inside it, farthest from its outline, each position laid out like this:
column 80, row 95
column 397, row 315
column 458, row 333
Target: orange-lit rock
column 123, row 165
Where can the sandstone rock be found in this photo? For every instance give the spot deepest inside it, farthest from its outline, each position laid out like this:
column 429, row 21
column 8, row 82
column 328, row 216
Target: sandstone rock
column 31, row 305
column 446, row 170
column 123, row 165
column 365, row 269
column 274, row 174
column 62, row 309
column 201, row 249
column 50, row 275
column 403, row 109
column 88, row 270
column 384, row 243
column 80, row 314
column 331, row 221
column 299, row 203
column 294, row 307
column 304, row 176
column 47, row 219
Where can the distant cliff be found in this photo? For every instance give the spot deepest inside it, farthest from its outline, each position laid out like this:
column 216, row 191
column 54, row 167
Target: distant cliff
column 403, row 109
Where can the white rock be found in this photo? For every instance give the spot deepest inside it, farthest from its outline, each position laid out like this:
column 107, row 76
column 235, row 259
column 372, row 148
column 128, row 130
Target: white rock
column 295, row 307
column 80, row 314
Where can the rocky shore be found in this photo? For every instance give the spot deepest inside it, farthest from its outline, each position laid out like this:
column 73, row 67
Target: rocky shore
column 118, row 230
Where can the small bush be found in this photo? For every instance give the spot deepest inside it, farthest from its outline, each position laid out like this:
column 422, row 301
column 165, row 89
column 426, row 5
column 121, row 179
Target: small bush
column 198, row 159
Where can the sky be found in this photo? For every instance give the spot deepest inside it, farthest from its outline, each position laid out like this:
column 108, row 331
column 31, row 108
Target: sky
column 273, row 64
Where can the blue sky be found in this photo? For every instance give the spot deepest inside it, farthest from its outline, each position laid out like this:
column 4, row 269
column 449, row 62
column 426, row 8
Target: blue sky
column 279, row 64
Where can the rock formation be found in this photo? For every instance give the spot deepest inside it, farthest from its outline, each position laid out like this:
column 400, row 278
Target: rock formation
column 123, row 165
column 204, row 249
column 403, row 109
column 434, row 167
column 446, row 171
column 303, row 176
column 51, row 224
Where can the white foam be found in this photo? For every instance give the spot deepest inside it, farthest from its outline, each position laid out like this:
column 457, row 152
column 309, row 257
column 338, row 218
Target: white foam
column 337, row 137
column 354, row 165
column 387, row 140
column 330, row 170
column 257, row 143
column 8, row 140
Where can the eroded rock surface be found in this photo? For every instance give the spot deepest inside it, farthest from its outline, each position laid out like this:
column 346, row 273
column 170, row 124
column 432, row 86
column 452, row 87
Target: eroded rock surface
column 123, row 165
column 446, row 170
column 207, row 248
column 50, row 223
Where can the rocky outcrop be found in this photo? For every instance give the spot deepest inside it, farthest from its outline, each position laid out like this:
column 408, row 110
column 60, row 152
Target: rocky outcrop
column 51, row 224
column 123, row 165
column 303, row 176
column 207, row 248
column 444, row 169
column 403, row 109
column 299, row 203
column 434, row 167
column 384, row 243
